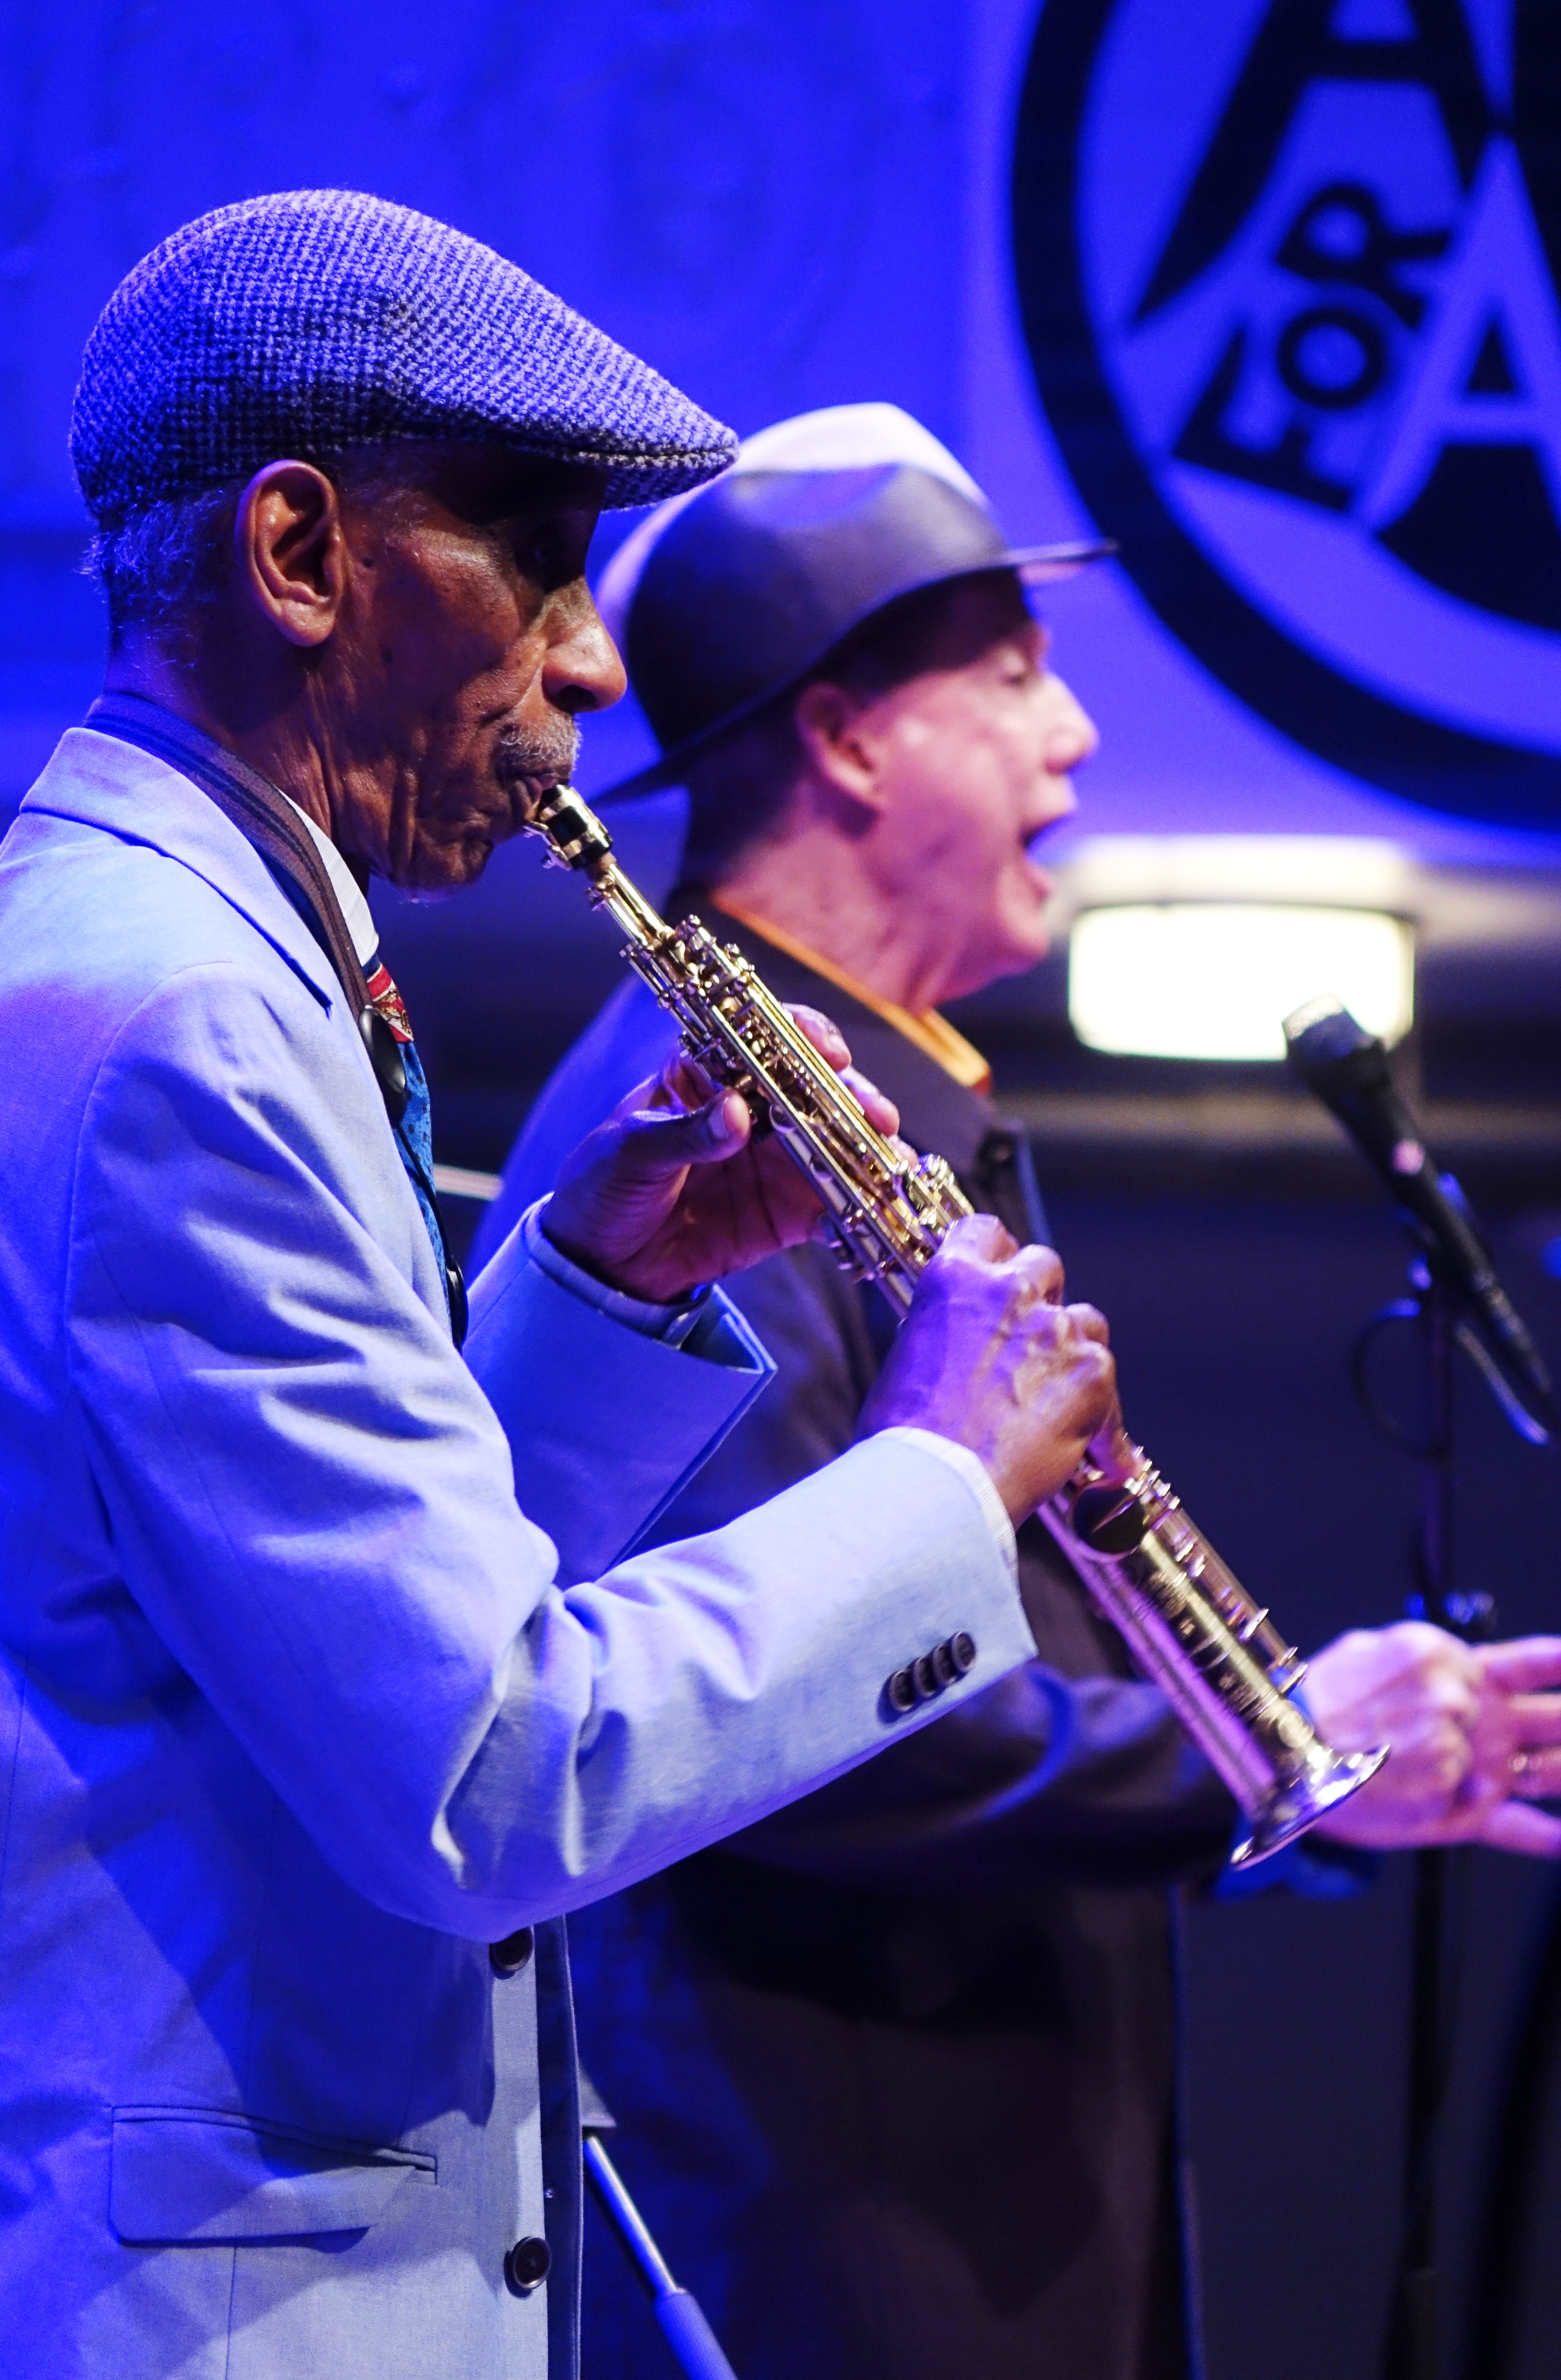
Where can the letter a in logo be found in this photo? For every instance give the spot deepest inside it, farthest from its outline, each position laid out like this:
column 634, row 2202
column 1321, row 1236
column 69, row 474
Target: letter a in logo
column 1299, row 341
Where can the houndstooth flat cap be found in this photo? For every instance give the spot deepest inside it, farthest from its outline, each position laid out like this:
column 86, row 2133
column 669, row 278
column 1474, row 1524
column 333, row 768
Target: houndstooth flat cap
column 313, row 321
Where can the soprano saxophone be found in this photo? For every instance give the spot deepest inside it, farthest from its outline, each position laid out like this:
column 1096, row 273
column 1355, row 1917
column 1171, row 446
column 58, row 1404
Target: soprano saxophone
column 1225, row 1668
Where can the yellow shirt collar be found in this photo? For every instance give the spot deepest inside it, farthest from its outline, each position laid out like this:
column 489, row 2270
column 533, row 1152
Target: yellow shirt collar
column 931, row 1034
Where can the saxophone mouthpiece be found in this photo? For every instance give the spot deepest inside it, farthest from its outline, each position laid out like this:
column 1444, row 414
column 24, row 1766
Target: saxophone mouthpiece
column 574, row 835
column 1109, row 1519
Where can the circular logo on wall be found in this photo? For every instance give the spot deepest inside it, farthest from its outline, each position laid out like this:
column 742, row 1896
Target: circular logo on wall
column 1288, row 277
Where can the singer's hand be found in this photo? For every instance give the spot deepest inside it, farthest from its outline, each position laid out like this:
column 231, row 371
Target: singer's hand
column 674, row 1189
column 1475, row 1730
column 1517, row 1743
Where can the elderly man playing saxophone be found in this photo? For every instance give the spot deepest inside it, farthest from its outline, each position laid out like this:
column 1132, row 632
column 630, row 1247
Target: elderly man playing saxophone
column 896, row 2069
column 325, row 1685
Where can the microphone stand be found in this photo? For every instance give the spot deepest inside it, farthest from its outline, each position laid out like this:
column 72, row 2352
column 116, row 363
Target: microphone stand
column 1439, row 1310
column 1410, row 2352
column 1459, row 1302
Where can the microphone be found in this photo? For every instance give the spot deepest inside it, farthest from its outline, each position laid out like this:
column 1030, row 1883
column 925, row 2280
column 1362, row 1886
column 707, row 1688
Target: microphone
column 1347, row 1069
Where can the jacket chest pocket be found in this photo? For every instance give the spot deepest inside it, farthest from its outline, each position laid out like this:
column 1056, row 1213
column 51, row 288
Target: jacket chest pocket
column 195, row 2174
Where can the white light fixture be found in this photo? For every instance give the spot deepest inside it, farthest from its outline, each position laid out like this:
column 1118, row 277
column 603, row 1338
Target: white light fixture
column 1214, row 980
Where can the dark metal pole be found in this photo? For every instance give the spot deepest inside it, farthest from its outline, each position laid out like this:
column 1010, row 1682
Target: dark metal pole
column 1411, row 2352
column 1412, row 2326
column 1515, row 2161
column 1460, row 1301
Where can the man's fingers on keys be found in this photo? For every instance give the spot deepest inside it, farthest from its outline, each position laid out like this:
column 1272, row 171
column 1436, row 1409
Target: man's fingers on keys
column 981, row 1238
column 1041, row 1272
column 876, row 1105
column 822, row 1032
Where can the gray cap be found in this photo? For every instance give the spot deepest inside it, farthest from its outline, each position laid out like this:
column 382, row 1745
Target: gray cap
column 315, row 321
column 726, row 597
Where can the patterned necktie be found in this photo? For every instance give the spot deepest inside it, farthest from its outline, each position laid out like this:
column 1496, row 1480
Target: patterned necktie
column 413, row 1128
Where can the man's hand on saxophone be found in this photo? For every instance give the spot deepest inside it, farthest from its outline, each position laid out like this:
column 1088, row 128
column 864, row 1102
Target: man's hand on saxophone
column 676, row 1188
column 990, row 1357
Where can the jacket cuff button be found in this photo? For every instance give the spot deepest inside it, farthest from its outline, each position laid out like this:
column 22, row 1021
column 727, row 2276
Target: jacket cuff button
column 901, row 1692
column 962, row 1653
column 507, row 1958
column 942, row 1663
column 925, row 1673
column 525, row 2264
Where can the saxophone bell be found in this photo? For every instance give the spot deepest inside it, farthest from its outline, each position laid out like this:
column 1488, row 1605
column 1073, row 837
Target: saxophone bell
column 1224, row 1668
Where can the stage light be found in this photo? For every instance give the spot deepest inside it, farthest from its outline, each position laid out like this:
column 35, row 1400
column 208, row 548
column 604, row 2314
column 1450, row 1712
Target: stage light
column 1213, row 979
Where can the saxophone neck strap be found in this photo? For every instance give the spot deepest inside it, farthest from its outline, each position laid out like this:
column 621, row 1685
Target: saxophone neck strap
column 270, row 825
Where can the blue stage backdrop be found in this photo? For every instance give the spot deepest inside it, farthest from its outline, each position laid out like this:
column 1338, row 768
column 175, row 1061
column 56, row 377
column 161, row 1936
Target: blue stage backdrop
column 1286, row 295
column 1273, row 305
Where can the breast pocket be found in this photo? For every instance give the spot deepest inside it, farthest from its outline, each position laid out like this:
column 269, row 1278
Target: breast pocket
column 195, row 2174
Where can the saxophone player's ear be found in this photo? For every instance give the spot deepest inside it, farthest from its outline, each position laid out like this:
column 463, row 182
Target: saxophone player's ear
column 290, row 551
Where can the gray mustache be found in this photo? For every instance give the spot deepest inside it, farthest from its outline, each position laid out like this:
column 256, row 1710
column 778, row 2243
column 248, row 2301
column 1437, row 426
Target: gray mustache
column 524, row 753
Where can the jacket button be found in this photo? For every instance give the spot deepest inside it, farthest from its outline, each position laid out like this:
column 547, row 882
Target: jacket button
column 962, row 1652
column 525, row 2264
column 901, row 1690
column 507, row 1958
column 942, row 1663
column 926, row 1678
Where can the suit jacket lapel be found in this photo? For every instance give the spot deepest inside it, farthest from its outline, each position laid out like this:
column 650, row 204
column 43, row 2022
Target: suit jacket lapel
column 102, row 781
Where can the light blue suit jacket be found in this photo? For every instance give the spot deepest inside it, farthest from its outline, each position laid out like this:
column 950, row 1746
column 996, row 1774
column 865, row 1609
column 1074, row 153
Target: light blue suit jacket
column 295, row 1717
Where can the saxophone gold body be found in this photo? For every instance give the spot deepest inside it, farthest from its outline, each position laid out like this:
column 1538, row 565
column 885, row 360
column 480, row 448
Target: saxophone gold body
column 1225, row 1668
